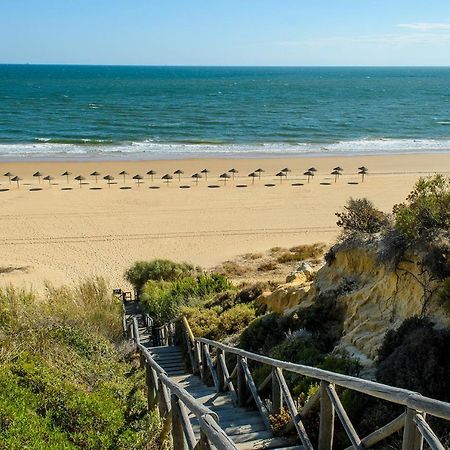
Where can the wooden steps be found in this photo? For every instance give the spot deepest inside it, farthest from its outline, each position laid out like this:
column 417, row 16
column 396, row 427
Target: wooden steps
column 244, row 426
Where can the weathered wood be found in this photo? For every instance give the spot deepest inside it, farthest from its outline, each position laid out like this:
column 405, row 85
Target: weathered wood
column 326, row 430
column 190, row 352
column 211, row 367
column 203, row 443
column 220, row 373
column 343, row 417
column 253, row 389
column 261, row 387
column 203, row 362
column 428, row 434
column 383, row 432
column 215, row 434
column 277, row 398
column 163, row 399
column 151, row 387
column 178, row 439
column 187, row 427
column 412, row 438
column 229, row 383
column 241, row 384
column 431, row 406
column 293, row 410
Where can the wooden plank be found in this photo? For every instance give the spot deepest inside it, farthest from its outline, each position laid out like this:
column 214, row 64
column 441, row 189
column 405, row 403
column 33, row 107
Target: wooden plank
column 326, row 427
column 178, row 439
column 343, row 417
column 253, row 389
column 412, row 438
column 293, row 410
column 187, row 427
column 216, row 436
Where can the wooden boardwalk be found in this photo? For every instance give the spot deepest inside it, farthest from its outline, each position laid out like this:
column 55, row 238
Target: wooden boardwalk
column 198, row 416
column 244, row 426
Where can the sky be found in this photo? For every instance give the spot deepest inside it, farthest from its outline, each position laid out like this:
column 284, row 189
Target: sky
column 226, row 32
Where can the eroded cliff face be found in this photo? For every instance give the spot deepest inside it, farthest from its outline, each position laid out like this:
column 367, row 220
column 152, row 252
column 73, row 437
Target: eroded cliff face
column 377, row 296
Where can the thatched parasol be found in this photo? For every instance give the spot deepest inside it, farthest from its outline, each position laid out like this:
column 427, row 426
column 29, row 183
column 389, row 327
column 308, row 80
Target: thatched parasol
column 224, row 177
column 196, row 177
column 138, row 178
column 178, row 172
column 253, row 175
column 363, row 172
column 124, row 173
column 108, row 178
column 49, row 178
column 9, row 175
column 166, row 178
column 66, row 174
column 152, row 173
column 38, row 175
column 205, row 172
column 309, row 174
column 16, row 179
column 281, row 175
column 96, row 175
column 80, row 179
column 259, row 172
column 312, row 169
column 338, row 168
column 336, row 174
column 286, row 170
column 233, row 171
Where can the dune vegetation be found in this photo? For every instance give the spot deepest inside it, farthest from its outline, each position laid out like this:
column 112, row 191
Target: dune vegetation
column 67, row 380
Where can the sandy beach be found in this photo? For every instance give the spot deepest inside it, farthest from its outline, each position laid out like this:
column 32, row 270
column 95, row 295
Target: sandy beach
column 59, row 235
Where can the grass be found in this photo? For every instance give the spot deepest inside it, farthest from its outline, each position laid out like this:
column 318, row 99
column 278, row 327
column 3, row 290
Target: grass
column 66, row 382
column 268, row 266
column 302, row 253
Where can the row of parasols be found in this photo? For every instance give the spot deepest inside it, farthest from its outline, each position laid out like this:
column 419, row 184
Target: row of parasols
column 283, row 173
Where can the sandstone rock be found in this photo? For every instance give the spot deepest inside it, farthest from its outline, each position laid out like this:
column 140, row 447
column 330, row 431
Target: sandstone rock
column 302, row 274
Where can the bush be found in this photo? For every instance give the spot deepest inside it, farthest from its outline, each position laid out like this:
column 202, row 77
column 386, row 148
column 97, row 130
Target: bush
column 302, row 252
column 361, row 216
column 203, row 322
column 416, row 357
column 236, row 319
column 268, row 266
column 157, row 270
column 426, row 210
column 444, row 295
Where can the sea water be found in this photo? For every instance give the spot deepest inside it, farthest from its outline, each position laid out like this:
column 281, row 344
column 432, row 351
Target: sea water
column 176, row 112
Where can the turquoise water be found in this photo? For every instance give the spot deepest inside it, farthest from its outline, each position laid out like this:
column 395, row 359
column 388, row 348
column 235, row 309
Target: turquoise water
column 172, row 112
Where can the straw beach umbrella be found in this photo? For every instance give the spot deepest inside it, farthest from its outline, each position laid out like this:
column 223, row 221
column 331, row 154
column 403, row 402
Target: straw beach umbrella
column 9, row 175
column 178, row 172
column 49, row 178
column 312, row 169
column 166, row 178
column 38, row 175
column 96, row 175
column 196, row 177
column 80, row 179
column 16, row 179
column 66, row 174
column 259, row 172
column 233, row 172
column 253, row 175
column 286, row 170
column 152, row 173
column 108, row 178
column 281, row 175
column 309, row 174
column 205, row 172
column 336, row 174
column 363, row 172
column 124, row 173
column 338, row 168
column 224, row 177
column 138, row 178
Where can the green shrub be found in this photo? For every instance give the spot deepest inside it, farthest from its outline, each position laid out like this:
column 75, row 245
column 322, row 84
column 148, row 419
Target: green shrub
column 236, row 319
column 203, row 322
column 361, row 216
column 416, row 357
column 157, row 270
column 426, row 210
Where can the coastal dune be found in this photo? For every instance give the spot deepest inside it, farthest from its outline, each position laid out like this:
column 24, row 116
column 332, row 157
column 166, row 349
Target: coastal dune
column 61, row 235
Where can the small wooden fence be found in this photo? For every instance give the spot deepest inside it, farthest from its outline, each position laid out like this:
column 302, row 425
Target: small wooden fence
column 175, row 403
column 209, row 358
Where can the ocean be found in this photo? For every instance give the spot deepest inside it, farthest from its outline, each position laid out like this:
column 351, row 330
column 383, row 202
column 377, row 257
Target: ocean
column 113, row 112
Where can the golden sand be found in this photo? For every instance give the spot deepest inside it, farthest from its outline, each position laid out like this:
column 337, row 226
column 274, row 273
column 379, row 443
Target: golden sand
column 62, row 235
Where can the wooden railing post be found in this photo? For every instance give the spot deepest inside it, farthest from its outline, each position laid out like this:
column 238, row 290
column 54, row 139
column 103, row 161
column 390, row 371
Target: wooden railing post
column 412, row 438
column 326, row 430
column 277, row 398
column 220, row 372
column 203, row 371
column 178, row 439
column 152, row 392
column 241, row 384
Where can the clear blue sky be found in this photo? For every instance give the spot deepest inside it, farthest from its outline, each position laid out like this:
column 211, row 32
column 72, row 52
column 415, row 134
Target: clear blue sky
column 226, row 32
